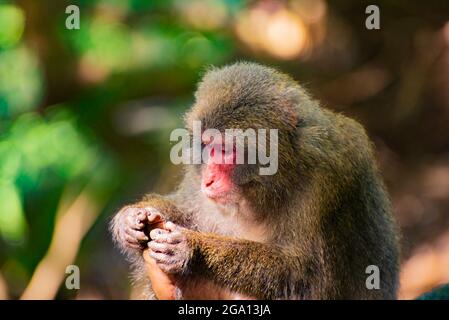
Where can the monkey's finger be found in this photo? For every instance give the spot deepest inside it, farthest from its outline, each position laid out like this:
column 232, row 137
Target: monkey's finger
column 169, row 237
column 162, row 248
column 159, row 257
column 154, row 216
column 132, row 242
column 141, row 216
column 136, row 226
column 170, row 226
column 134, row 222
column 133, row 211
column 157, row 232
column 153, row 211
column 139, row 235
column 130, row 239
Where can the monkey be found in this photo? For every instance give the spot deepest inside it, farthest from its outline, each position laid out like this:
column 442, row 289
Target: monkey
column 309, row 231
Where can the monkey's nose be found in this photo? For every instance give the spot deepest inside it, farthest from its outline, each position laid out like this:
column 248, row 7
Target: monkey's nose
column 208, row 183
column 209, row 177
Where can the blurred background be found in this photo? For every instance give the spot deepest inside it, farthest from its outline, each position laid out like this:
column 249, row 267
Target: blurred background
column 85, row 117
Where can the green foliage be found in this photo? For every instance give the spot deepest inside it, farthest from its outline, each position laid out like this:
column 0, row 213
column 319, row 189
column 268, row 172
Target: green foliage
column 21, row 86
column 12, row 219
column 12, row 24
column 104, row 43
column 33, row 150
column 117, row 47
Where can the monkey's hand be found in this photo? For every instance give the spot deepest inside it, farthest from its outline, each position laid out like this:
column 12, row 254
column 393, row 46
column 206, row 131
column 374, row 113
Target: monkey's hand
column 170, row 248
column 131, row 224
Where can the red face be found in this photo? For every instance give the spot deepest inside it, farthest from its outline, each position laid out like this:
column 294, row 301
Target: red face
column 216, row 182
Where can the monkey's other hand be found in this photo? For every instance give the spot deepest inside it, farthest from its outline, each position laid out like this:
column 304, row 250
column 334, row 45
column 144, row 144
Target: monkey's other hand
column 131, row 227
column 170, row 248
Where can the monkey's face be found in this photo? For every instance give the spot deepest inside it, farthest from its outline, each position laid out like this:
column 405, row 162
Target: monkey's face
column 227, row 181
column 252, row 99
column 217, row 172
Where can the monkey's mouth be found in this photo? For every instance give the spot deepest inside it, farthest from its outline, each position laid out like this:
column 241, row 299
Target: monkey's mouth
column 211, row 192
column 218, row 196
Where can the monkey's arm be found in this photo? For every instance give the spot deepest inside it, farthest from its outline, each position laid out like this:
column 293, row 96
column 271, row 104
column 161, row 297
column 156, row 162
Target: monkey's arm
column 256, row 269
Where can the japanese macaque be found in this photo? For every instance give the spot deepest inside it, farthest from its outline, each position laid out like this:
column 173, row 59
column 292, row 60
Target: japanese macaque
column 309, row 231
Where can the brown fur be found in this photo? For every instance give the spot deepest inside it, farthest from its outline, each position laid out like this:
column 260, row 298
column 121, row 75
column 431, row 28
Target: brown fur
column 307, row 232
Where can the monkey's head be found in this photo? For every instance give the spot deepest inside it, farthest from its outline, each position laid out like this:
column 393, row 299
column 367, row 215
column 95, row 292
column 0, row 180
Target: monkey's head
column 247, row 96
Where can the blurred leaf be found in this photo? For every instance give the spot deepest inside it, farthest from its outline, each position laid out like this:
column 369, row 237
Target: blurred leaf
column 12, row 219
column 20, row 82
column 103, row 43
column 12, row 24
column 139, row 5
column 197, row 50
column 104, row 181
column 34, row 147
column 51, row 144
column 154, row 47
column 9, row 161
